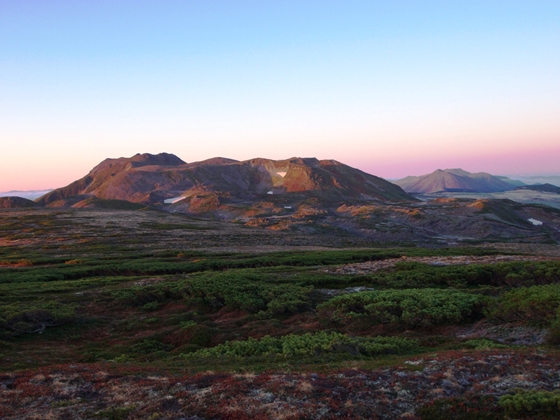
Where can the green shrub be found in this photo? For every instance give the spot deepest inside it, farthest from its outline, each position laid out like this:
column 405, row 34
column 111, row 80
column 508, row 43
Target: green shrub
column 201, row 335
column 187, row 324
column 407, row 308
column 474, row 407
column 115, row 413
column 306, row 345
column 151, row 320
column 532, row 404
column 512, row 274
column 482, row 344
column 521, row 405
column 247, row 292
column 149, row 346
column 554, row 330
column 148, row 298
column 34, row 317
column 168, row 262
column 123, row 358
column 536, row 305
column 151, row 306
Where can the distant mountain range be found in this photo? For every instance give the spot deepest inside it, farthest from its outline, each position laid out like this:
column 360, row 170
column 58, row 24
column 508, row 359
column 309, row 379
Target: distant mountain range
column 456, row 180
column 540, row 179
column 30, row 195
column 541, row 187
column 308, row 196
column 200, row 187
column 514, row 182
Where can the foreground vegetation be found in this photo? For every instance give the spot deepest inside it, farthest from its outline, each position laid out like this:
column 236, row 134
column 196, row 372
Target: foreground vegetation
column 184, row 311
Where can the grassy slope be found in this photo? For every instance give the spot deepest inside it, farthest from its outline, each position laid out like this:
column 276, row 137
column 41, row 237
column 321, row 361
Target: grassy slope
column 97, row 297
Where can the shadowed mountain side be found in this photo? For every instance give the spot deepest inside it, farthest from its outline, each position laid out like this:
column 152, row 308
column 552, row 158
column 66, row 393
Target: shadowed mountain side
column 153, row 179
column 454, row 180
column 514, row 182
column 540, row 179
column 92, row 202
column 16, row 202
column 541, row 187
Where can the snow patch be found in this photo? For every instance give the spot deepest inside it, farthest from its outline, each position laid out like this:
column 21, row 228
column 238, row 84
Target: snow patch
column 282, row 174
column 173, row 200
column 535, row 222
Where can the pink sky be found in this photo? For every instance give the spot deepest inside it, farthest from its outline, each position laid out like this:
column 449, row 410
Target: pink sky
column 46, row 174
column 393, row 88
column 523, row 162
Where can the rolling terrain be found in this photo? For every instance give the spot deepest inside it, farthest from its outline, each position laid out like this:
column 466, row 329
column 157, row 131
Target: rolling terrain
column 16, row 202
column 135, row 314
column 298, row 289
column 306, row 196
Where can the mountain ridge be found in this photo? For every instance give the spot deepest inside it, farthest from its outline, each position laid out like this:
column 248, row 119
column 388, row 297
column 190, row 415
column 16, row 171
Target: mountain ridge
column 454, row 180
column 541, row 187
column 15, row 202
column 154, row 179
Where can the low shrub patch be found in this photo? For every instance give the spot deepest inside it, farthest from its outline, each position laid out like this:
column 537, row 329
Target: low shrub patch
column 406, row 308
column 482, row 344
column 248, row 293
column 532, row 404
column 306, row 345
column 474, row 407
column 536, row 305
column 35, row 317
column 509, row 274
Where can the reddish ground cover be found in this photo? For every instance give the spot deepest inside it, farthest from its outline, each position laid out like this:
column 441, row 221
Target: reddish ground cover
column 123, row 391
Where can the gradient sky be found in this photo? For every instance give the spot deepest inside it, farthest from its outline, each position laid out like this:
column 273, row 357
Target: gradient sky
column 394, row 87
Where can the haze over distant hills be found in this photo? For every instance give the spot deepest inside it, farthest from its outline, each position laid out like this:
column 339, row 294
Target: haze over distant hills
column 456, row 180
column 541, row 187
column 204, row 186
column 539, row 179
column 30, row 195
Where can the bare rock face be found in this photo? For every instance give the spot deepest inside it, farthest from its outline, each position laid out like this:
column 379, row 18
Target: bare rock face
column 204, row 186
column 16, row 202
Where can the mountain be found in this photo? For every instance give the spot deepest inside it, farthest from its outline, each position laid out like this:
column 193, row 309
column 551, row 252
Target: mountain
column 540, row 179
column 541, row 187
column 454, row 180
column 514, row 182
column 458, row 171
column 16, row 202
column 30, row 195
column 199, row 187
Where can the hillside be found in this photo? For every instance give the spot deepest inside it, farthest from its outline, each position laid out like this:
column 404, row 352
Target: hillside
column 454, row 180
column 123, row 314
column 514, row 182
column 541, row 179
column 204, row 186
column 306, row 196
column 541, row 187
column 16, row 202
